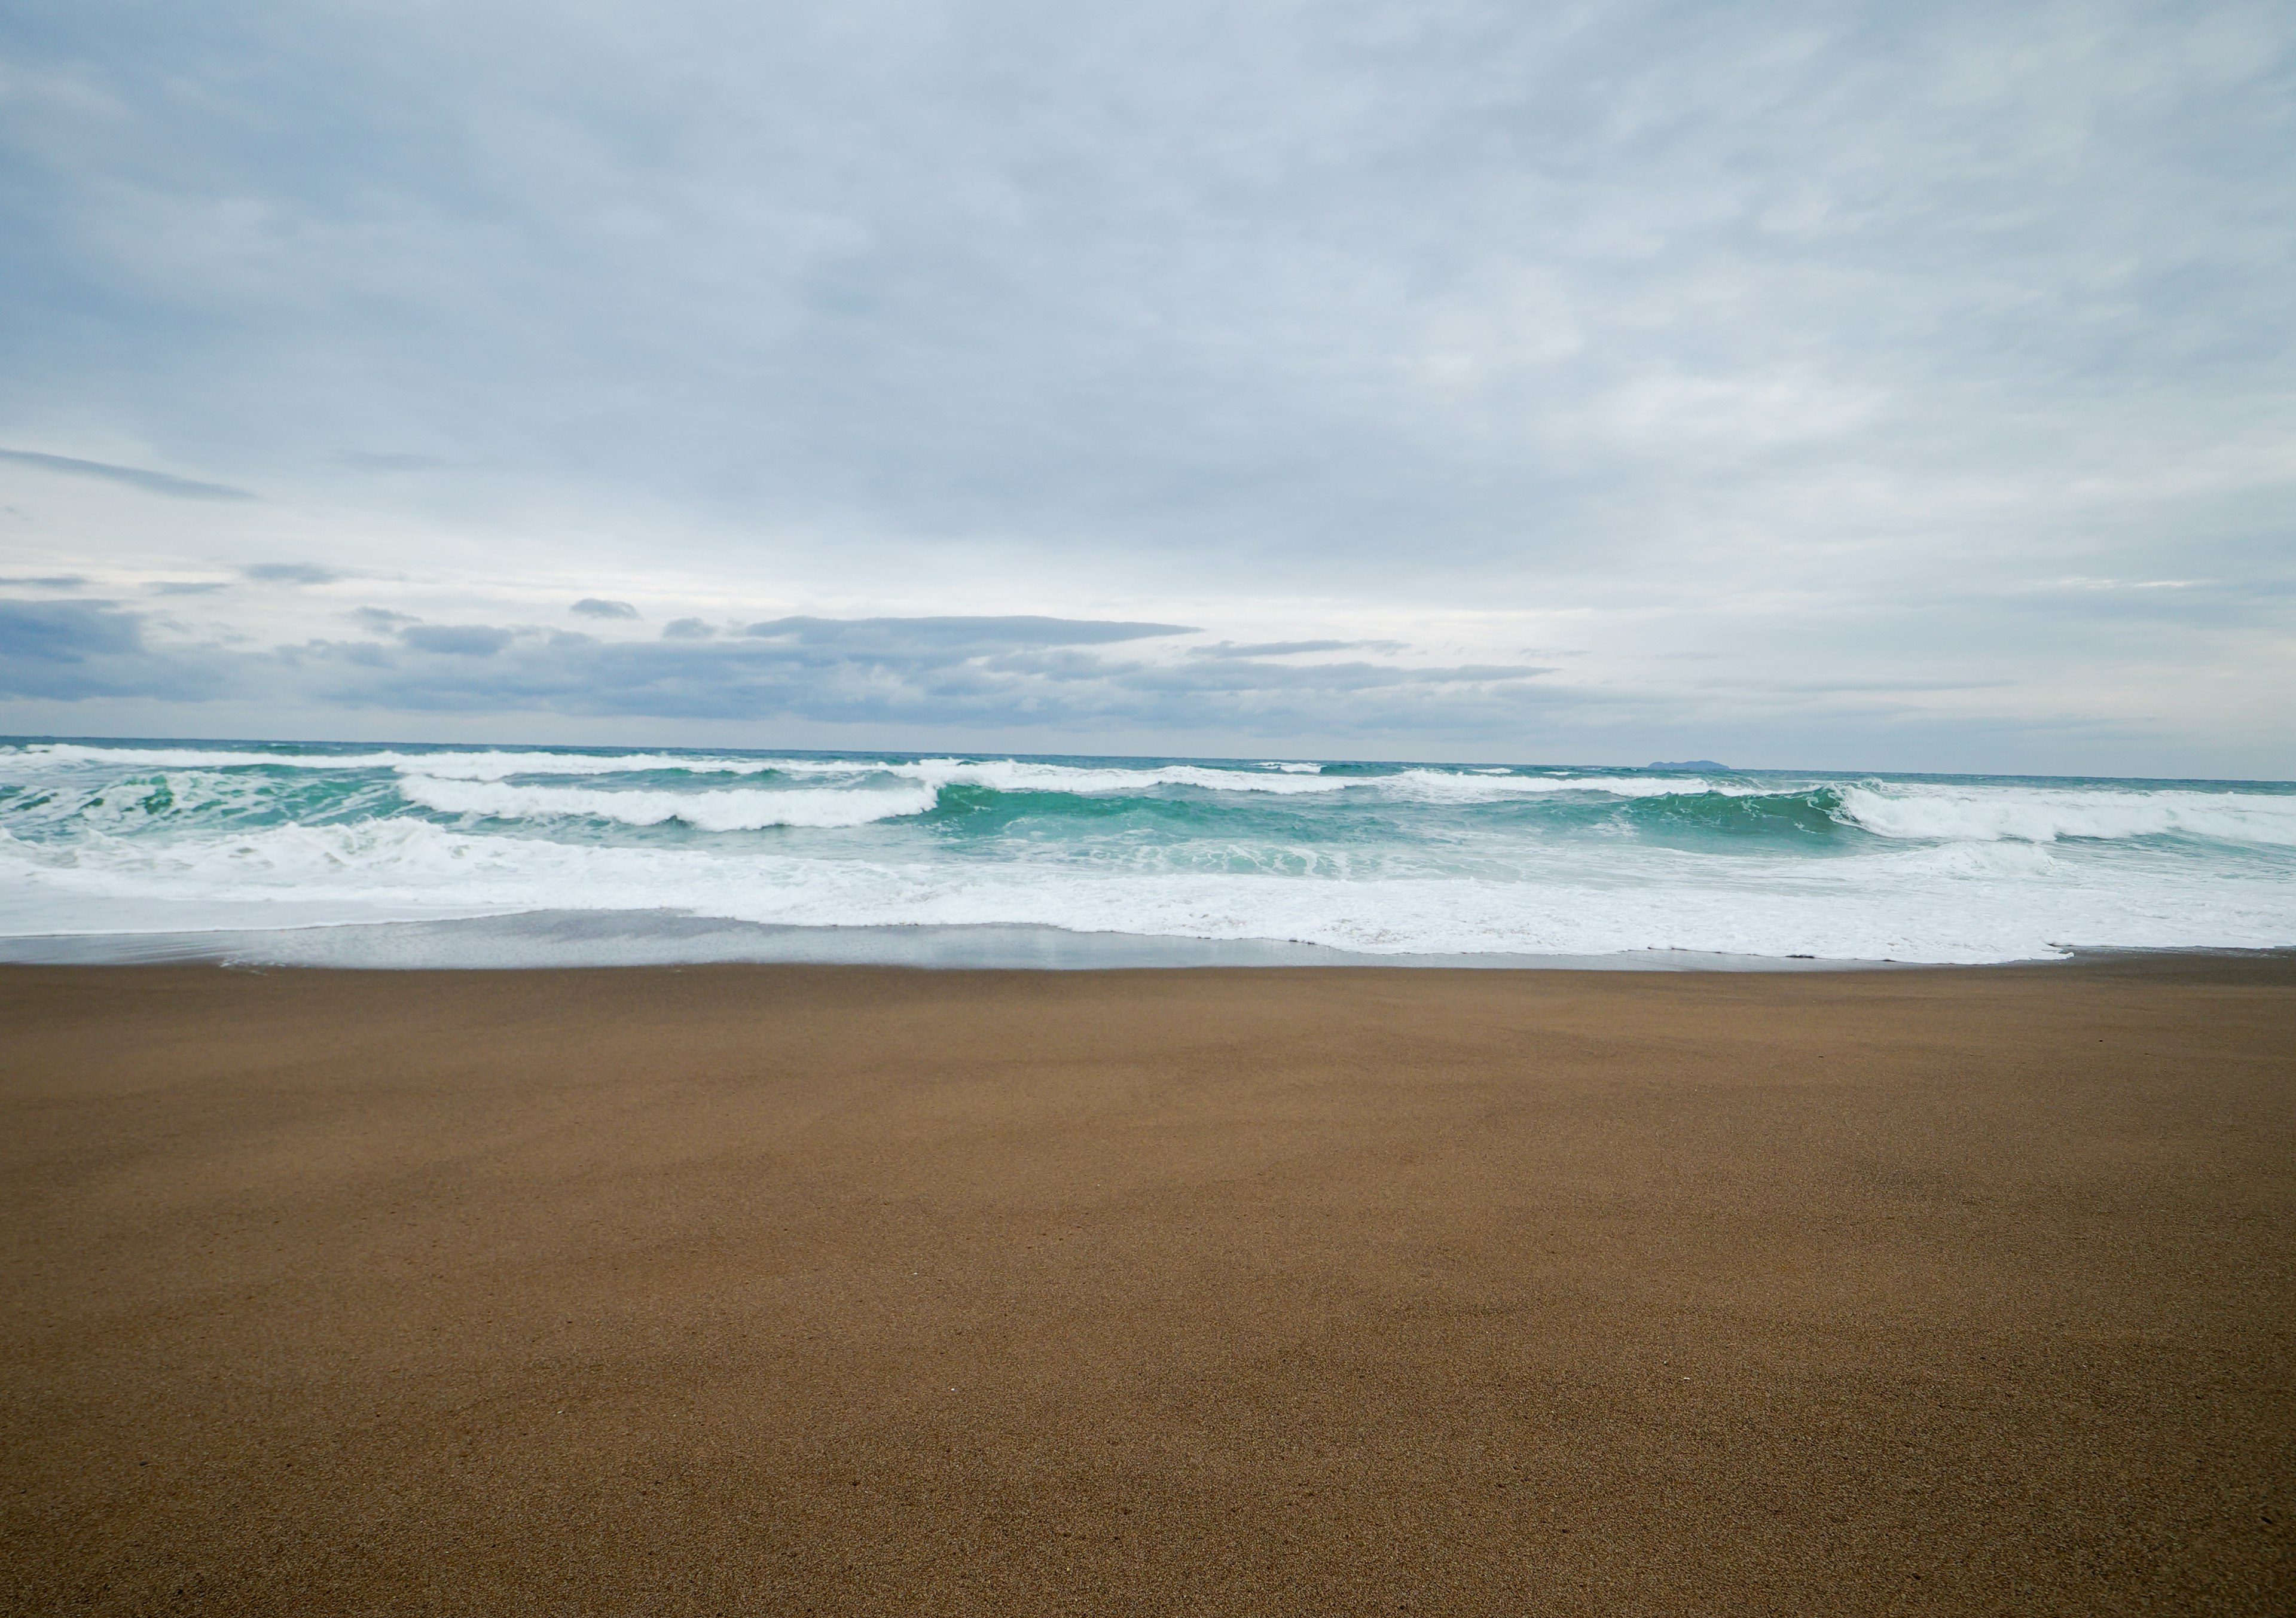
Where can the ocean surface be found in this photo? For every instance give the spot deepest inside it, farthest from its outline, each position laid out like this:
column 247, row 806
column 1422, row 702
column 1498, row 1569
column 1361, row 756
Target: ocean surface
column 451, row 855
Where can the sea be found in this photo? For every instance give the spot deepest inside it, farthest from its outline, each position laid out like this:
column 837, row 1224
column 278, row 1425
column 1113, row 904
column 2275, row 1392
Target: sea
column 450, row 856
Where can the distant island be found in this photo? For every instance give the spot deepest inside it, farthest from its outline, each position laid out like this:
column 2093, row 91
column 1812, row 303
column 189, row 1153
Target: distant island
column 1686, row 764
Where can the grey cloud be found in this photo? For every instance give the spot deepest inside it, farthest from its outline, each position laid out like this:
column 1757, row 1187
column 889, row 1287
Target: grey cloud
column 457, row 640
column 54, row 581
column 79, row 650
column 952, row 635
column 76, row 650
column 1907, row 686
column 1291, row 648
column 688, row 628
column 290, row 572
column 1335, row 680
column 66, row 632
column 382, row 620
column 939, row 676
column 591, row 606
column 183, row 586
column 135, row 477
column 360, row 654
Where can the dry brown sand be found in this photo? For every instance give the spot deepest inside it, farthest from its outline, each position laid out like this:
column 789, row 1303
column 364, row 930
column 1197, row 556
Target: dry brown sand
column 848, row 1290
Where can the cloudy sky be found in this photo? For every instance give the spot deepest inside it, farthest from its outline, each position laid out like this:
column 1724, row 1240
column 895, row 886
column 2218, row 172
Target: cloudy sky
column 1826, row 385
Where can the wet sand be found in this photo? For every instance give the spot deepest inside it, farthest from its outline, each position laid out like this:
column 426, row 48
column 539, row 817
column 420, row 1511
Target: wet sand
column 779, row 1289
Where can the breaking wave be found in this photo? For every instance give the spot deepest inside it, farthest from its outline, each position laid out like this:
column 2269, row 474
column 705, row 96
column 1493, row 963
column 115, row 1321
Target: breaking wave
column 1373, row 858
column 2029, row 813
column 710, row 809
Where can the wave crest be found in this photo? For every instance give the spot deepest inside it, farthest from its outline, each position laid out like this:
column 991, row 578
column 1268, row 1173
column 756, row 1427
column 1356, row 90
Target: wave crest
column 2048, row 815
column 718, row 809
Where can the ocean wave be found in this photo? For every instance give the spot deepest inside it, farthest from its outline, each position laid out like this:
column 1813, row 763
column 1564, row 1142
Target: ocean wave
column 1484, row 786
column 1417, row 784
column 1021, row 775
column 1468, row 783
column 1962, row 903
column 1416, row 858
column 131, row 788
column 718, row 809
column 1957, row 814
column 486, row 766
column 1004, row 775
column 502, row 765
column 157, row 802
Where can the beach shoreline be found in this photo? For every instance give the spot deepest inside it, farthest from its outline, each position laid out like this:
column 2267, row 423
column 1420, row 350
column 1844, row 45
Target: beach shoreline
column 561, row 939
column 770, row 1288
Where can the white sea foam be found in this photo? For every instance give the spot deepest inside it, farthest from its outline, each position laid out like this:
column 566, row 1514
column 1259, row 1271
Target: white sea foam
column 1484, row 786
column 1421, row 784
column 502, row 765
column 715, row 810
column 494, row 766
column 1979, row 904
column 1002, row 774
column 1020, row 776
column 2028, row 813
column 1005, row 775
column 1972, row 859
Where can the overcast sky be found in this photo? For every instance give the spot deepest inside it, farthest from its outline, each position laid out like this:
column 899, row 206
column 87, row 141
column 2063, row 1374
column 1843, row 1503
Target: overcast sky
column 1833, row 386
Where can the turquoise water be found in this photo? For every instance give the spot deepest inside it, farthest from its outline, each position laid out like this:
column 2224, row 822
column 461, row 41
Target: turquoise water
column 130, row 837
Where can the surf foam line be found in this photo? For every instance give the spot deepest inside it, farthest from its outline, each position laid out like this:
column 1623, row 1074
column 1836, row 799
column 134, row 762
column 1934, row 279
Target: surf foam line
column 1467, row 785
column 712, row 809
column 1004, row 775
column 493, row 766
column 1947, row 814
column 1907, row 905
column 63, row 781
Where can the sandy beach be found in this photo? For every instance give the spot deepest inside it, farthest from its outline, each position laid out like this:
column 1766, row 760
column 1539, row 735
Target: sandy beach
column 788, row 1289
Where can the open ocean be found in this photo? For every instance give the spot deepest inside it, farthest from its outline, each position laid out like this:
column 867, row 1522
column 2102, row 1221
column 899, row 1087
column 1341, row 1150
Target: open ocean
column 123, row 849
